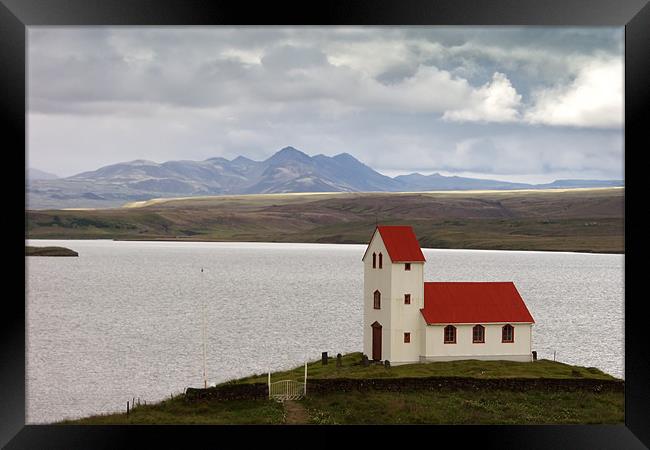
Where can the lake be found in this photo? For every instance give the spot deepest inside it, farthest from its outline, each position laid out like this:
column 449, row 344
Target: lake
column 125, row 319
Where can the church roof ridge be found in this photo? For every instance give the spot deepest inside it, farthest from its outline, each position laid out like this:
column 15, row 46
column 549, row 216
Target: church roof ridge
column 401, row 243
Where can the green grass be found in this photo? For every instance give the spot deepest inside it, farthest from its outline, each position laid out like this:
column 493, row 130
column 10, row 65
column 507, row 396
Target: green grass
column 468, row 368
column 180, row 411
column 466, row 407
column 445, row 406
column 375, row 407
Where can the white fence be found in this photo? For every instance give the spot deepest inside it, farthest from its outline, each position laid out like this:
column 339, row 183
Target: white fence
column 287, row 389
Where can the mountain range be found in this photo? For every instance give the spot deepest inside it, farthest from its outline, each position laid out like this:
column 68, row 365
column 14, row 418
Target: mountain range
column 288, row 170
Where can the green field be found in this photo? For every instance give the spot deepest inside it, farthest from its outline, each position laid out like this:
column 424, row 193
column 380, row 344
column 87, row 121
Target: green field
column 178, row 411
column 581, row 220
column 466, row 407
column 374, row 407
column 442, row 406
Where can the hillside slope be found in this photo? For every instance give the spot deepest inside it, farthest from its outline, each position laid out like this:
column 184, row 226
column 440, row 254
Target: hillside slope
column 574, row 220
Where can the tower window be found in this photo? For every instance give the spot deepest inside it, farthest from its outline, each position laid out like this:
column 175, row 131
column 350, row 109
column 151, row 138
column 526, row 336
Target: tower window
column 450, row 334
column 380, row 260
column 508, row 333
column 374, row 260
column 407, row 266
column 407, row 299
column 478, row 334
column 407, row 338
column 377, row 300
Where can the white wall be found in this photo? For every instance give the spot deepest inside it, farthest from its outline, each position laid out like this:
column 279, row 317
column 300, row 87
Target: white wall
column 464, row 348
column 406, row 318
column 376, row 279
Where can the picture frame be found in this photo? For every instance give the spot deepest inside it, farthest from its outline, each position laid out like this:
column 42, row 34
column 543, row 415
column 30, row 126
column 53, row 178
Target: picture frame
column 634, row 15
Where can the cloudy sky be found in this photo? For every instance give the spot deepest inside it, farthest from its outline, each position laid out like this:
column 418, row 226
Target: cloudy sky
column 522, row 104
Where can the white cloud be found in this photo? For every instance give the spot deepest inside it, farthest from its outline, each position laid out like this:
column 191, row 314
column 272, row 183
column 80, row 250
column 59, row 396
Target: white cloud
column 593, row 99
column 495, row 101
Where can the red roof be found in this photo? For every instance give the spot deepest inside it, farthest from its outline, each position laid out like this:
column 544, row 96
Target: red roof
column 401, row 243
column 473, row 302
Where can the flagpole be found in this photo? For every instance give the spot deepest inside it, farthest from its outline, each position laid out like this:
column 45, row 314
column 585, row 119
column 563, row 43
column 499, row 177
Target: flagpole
column 205, row 379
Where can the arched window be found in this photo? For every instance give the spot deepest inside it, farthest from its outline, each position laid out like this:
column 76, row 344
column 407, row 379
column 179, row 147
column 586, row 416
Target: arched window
column 377, row 299
column 450, row 334
column 478, row 334
column 374, row 260
column 380, row 260
column 508, row 333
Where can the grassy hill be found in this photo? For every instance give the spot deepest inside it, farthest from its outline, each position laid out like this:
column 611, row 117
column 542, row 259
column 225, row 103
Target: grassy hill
column 465, row 368
column 49, row 251
column 471, row 405
column 584, row 220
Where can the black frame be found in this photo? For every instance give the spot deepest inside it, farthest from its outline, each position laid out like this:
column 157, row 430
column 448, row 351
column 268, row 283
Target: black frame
column 15, row 15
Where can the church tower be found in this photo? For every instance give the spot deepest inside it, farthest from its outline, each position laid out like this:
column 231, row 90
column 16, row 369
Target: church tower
column 393, row 293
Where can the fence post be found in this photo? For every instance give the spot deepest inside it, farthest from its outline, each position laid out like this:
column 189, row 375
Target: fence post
column 269, row 383
column 304, row 392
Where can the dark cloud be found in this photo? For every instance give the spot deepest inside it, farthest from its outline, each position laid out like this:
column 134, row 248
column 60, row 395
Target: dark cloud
column 98, row 95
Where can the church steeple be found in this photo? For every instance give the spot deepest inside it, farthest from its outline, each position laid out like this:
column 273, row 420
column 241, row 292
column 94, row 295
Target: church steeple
column 393, row 294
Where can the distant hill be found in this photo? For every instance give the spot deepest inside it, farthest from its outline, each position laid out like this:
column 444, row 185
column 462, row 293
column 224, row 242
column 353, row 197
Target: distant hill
column 35, row 174
column 288, row 170
column 437, row 182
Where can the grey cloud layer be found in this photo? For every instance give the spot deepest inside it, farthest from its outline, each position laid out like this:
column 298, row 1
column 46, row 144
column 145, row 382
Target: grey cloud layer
column 370, row 91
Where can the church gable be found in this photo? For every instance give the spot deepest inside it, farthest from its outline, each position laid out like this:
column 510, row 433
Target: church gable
column 400, row 243
column 377, row 245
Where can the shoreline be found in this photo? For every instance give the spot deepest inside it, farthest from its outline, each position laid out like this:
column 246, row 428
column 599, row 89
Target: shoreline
column 323, row 243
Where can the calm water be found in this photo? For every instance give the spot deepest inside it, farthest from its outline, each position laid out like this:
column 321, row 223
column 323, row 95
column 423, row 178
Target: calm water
column 124, row 319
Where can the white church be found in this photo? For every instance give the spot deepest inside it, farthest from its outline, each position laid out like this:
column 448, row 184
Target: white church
column 409, row 320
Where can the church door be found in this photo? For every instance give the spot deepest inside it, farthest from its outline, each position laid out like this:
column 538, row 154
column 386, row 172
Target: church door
column 376, row 341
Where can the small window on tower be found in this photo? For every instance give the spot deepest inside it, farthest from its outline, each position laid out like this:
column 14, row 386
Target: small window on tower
column 407, row 266
column 377, row 300
column 407, row 338
column 374, row 260
column 407, row 299
column 380, row 260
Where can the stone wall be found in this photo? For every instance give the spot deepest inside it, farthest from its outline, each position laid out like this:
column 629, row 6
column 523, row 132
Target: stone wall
column 323, row 386
column 229, row 392
column 455, row 383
